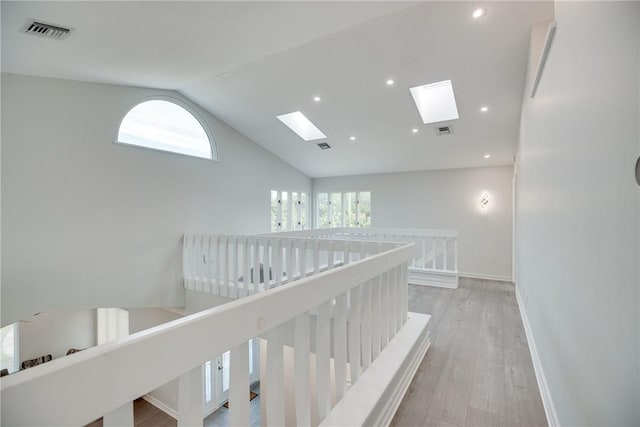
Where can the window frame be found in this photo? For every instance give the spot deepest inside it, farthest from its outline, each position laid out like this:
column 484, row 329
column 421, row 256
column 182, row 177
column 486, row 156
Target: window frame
column 191, row 109
column 299, row 207
column 16, row 347
column 343, row 207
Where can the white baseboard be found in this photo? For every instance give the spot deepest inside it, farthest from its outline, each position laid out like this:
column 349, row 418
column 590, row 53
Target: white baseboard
column 160, row 405
column 427, row 277
column 487, row 277
column 375, row 398
column 547, row 401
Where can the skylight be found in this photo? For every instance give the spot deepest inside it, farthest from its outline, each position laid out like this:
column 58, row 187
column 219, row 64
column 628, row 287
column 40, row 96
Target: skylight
column 436, row 102
column 298, row 123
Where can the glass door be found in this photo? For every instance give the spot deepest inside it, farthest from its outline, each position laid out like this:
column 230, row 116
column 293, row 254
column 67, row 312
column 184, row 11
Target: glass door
column 216, row 377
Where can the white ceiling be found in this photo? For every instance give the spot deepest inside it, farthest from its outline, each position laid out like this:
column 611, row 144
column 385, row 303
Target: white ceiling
column 167, row 44
column 248, row 62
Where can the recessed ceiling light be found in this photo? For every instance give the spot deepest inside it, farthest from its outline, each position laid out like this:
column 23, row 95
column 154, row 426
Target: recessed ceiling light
column 414, row 130
column 390, row 82
column 478, row 13
column 316, row 98
column 352, row 138
column 436, row 102
column 487, row 156
column 298, row 123
column 484, row 109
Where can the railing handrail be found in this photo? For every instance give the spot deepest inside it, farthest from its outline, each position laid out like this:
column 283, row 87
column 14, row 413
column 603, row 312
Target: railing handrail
column 123, row 370
column 421, row 232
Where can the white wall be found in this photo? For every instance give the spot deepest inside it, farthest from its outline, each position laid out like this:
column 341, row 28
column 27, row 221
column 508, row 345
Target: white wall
column 89, row 223
column 445, row 199
column 578, row 216
column 56, row 332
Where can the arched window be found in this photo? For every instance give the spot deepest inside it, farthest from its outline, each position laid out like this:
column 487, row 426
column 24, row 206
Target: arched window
column 166, row 126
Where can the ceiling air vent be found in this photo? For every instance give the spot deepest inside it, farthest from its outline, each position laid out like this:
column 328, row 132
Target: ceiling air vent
column 444, row 130
column 323, row 145
column 39, row 28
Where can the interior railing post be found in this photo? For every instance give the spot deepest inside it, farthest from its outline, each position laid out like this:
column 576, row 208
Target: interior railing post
column 275, row 377
column 354, row 333
column 323, row 335
column 445, row 252
column 366, row 325
column 301, row 366
column 375, row 317
column 340, row 345
column 455, row 254
column 239, row 386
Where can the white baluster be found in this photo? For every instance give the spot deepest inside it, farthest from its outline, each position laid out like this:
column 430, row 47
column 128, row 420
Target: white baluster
column 384, row 310
column 226, row 268
column 340, row 345
column 323, row 333
column 199, row 250
column 375, row 317
column 256, row 266
column 186, row 261
column 330, row 255
column 217, row 263
column 347, row 253
column 433, row 253
column 246, row 264
column 416, row 241
column 366, row 325
column 276, row 251
column 301, row 380
column 405, row 292
column 302, row 258
column 455, row 254
column 393, row 302
column 264, row 385
column 267, row 271
column 210, row 265
column 291, row 262
column 235, row 259
column 275, row 377
column 239, row 386
column 445, row 253
column 354, row 333
column 316, row 256
column 399, row 297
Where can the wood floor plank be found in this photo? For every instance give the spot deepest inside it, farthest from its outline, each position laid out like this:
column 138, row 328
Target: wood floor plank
column 479, row 418
column 434, row 422
column 478, row 371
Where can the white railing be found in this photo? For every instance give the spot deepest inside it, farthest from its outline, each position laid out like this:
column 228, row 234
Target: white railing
column 435, row 260
column 237, row 266
column 357, row 304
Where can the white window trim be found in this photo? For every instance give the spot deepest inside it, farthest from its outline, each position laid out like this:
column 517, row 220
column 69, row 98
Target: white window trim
column 316, row 209
column 215, row 152
column 289, row 225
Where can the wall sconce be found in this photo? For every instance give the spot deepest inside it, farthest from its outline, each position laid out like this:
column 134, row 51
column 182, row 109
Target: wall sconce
column 484, row 201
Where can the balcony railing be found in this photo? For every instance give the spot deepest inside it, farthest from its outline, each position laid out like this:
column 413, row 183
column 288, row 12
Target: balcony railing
column 331, row 317
column 435, row 258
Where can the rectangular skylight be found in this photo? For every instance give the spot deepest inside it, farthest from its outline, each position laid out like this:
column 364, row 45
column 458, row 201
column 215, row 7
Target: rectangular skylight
column 298, row 123
column 436, row 102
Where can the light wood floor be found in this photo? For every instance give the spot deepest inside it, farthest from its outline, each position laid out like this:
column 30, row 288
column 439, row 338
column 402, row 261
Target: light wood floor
column 478, row 371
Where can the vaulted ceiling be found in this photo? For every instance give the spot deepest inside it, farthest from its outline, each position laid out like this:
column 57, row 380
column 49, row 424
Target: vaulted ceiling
column 248, row 62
